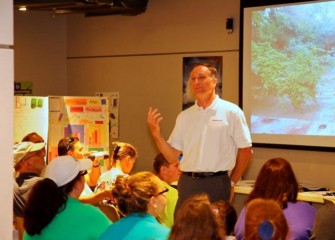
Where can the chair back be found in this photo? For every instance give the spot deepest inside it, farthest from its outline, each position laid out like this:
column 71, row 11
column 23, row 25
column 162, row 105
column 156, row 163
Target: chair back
column 110, row 211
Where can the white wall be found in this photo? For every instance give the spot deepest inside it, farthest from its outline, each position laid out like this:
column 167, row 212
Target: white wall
column 6, row 113
column 141, row 57
column 40, row 51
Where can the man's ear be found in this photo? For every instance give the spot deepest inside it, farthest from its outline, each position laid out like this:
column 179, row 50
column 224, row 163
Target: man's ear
column 163, row 169
column 215, row 80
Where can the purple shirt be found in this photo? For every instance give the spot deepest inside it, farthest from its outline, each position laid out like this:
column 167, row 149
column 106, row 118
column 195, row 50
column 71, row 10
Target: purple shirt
column 299, row 216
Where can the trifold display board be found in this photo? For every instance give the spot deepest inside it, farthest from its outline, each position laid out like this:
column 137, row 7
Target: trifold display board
column 30, row 115
column 56, row 117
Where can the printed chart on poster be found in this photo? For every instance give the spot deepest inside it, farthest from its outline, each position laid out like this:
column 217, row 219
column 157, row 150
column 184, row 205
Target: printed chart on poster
column 30, row 115
column 84, row 117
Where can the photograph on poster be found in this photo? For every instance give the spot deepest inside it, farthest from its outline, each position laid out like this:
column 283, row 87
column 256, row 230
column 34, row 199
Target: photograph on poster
column 188, row 64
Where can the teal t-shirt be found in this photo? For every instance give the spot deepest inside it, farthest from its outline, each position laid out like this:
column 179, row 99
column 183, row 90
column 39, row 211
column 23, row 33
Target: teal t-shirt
column 136, row 226
column 78, row 221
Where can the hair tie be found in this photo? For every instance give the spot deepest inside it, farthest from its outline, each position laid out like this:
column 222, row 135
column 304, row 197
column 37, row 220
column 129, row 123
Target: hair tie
column 116, row 151
column 265, row 230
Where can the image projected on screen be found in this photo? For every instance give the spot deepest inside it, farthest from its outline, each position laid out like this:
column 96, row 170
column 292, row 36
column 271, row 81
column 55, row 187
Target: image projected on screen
column 290, row 63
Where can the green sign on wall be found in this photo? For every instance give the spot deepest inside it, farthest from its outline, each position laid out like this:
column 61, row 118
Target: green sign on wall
column 23, row 88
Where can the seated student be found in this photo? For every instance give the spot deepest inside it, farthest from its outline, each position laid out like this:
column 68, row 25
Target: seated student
column 168, row 173
column 276, row 180
column 123, row 159
column 141, row 197
column 28, row 164
column 53, row 210
column 34, row 137
column 227, row 217
column 324, row 222
column 196, row 220
column 73, row 147
column 264, row 220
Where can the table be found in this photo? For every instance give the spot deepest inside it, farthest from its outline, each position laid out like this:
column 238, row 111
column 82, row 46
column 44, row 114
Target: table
column 245, row 187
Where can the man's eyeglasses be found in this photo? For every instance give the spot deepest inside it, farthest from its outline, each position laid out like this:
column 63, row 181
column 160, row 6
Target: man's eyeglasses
column 83, row 173
column 162, row 192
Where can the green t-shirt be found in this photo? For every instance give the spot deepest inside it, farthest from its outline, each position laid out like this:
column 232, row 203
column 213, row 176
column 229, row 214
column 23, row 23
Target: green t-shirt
column 167, row 217
column 78, row 221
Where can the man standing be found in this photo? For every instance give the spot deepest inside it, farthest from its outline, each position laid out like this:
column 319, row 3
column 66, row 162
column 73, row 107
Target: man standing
column 169, row 173
column 213, row 137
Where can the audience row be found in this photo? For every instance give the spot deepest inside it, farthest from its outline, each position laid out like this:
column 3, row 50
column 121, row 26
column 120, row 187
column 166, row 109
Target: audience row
column 57, row 202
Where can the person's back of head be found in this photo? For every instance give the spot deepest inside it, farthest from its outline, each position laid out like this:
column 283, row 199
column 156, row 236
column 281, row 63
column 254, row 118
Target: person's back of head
column 49, row 195
column 66, row 144
column 226, row 214
column 133, row 193
column 122, row 150
column 33, row 137
column 265, row 220
column 159, row 161
column 168, row 172
column 124, row 156
column 196, row 220
column 276, row 180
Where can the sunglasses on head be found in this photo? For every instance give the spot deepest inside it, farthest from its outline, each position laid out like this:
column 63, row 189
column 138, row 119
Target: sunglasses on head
column 83, row 173
column 116, row 151
column 71, row 140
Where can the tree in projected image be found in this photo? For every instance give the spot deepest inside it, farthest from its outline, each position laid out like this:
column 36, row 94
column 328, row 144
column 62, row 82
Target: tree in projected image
column 288, row 55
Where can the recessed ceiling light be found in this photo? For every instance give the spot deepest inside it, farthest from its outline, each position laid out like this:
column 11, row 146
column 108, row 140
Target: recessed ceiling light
column 23, row 8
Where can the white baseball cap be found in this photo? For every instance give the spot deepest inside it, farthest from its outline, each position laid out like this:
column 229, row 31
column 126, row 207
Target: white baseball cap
column 20, row 150
column 64, row 169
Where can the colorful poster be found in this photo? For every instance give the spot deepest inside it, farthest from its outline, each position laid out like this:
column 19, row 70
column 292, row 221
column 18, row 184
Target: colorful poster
column 84, row 117
column 30, row 115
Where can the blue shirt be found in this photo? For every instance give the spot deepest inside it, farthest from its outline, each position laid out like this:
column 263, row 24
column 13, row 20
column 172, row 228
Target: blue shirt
column 136, row 226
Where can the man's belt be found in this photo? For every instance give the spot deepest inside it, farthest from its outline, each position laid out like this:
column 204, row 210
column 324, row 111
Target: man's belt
column 204, row 174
